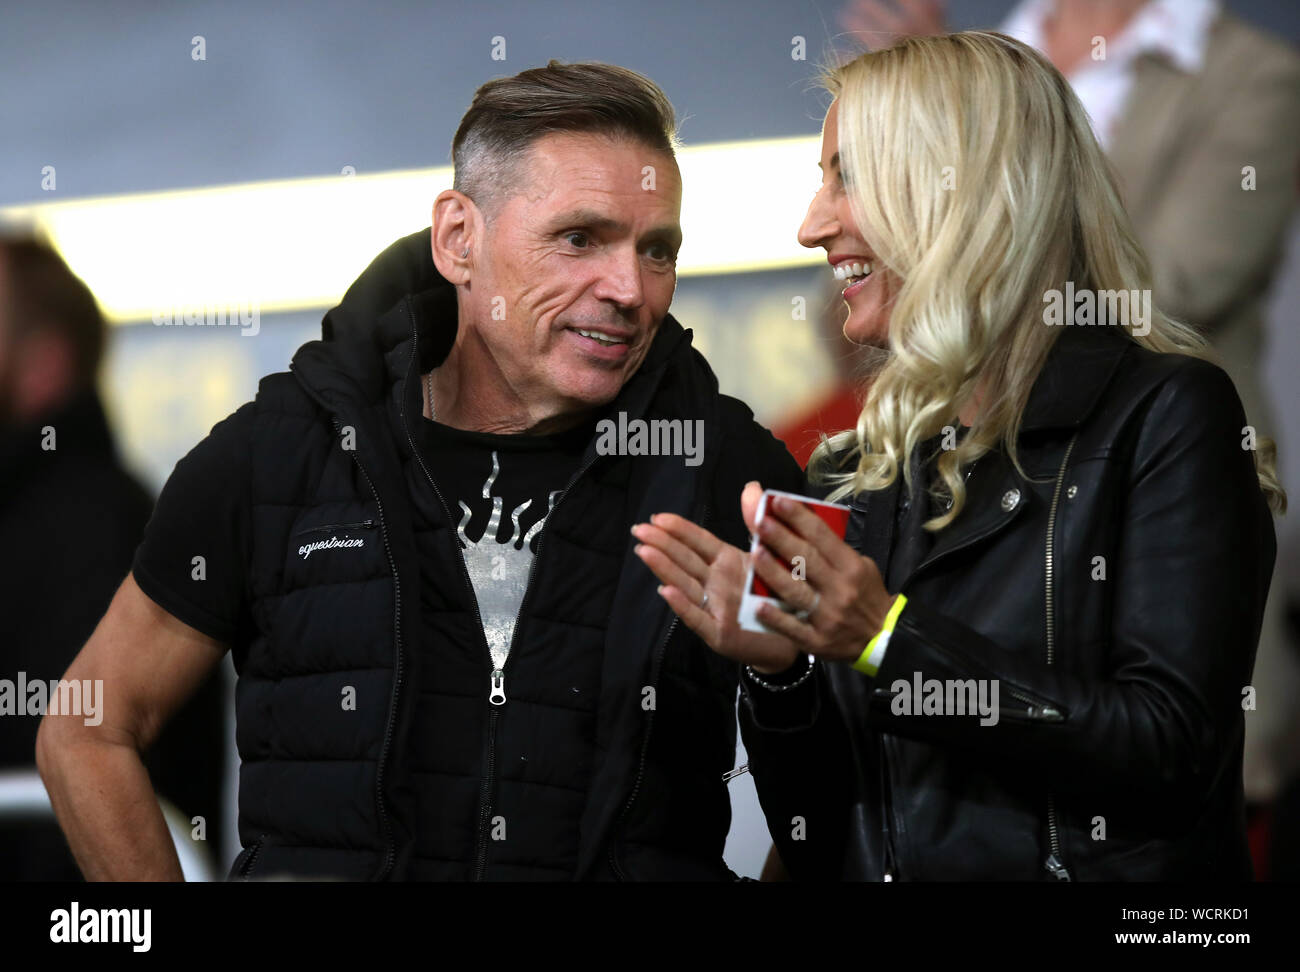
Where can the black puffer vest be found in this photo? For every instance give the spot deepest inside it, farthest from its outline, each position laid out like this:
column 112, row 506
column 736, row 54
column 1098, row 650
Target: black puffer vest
column 606, row 758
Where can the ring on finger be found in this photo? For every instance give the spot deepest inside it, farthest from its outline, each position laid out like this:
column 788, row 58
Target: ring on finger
column 803, row 614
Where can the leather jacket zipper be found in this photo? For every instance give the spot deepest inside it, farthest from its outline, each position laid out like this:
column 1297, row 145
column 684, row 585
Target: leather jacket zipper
column 1037, row 710
column 1054, row 863
column 886, row 811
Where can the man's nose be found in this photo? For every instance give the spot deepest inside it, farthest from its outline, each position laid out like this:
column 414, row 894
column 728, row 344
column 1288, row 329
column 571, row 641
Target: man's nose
column 819, row 224
column 620, row 282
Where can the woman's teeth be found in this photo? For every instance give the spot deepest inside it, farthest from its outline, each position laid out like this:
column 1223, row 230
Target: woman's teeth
column 602, row 338
column 851, row 273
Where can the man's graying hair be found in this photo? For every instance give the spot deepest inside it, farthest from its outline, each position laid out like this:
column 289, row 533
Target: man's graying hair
column 509, row 114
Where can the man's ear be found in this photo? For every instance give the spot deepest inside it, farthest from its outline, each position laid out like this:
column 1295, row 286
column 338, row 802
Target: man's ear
column 457, row 226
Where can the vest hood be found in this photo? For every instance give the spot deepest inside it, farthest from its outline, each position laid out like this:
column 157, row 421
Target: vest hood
column 368, row 325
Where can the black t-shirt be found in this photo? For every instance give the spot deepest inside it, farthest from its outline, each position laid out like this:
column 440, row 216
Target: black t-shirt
column 529, row 468
column 193, row 559
column 499, row 489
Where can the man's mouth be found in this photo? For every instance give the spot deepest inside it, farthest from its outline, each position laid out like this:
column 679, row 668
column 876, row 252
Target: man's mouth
column 608, row 340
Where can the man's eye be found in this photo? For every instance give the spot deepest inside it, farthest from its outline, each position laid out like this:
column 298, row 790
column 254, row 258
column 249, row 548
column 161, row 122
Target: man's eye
column 661, row 252
column 577, row 239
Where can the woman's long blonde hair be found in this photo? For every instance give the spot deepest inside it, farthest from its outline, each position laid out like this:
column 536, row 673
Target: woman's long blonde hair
column 974, row 175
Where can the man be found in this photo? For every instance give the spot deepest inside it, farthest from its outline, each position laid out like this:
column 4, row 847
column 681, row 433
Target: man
column 70, row 517
column 452, row 665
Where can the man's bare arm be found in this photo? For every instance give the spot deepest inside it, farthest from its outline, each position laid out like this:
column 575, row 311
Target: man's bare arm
column 148, row 663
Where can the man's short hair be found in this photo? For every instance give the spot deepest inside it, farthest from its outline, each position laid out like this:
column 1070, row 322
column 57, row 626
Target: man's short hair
column 509, row 114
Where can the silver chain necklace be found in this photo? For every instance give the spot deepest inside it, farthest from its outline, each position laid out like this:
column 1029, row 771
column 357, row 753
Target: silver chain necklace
column 428, row 388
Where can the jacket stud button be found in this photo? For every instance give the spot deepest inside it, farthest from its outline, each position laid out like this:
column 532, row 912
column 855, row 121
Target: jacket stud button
column 1010, row 500
column 1072, row 492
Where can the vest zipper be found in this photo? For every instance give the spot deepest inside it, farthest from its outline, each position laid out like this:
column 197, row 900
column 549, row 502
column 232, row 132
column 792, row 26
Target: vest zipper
column 655, row 668
column 485, row 795
column 390, row 849
column 1054, row 864
column 247, row 868
column 496, row 692
column 362, row 525
column 497, row 684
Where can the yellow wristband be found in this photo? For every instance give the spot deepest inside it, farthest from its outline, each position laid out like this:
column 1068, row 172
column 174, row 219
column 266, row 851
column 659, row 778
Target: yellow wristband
column 868, row 662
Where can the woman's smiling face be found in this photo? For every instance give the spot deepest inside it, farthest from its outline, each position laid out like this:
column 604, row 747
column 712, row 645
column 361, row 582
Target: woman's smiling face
column 869, row 288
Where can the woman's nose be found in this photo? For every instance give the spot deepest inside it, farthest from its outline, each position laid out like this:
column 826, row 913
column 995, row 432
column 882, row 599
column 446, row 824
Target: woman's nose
column 819, row 225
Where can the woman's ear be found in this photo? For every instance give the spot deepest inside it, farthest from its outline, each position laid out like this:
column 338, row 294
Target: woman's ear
column 456, row 222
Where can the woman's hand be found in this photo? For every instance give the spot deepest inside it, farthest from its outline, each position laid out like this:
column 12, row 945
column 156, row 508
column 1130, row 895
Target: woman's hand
column 691, row 562
column 840, row 593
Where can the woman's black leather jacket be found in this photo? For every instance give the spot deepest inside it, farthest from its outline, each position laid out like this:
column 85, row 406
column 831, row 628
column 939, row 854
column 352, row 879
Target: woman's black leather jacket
column 1112, row 600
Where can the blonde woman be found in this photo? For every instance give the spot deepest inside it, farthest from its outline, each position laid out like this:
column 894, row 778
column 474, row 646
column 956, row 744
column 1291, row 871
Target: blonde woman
column 1031, row 658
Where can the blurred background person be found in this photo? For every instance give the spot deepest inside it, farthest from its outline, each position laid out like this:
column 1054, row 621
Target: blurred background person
column 839, row 402
column 71, row 516
column 1198, row 112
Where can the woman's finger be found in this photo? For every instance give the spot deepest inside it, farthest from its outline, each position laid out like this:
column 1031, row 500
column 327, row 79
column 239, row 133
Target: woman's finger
column 750, row 497
column 807, row 524
column 693, row 616
column 782, row 582
column 800, row 632
column 700, row 540
column 685, row 558
column 781, row 540
column 669, row 571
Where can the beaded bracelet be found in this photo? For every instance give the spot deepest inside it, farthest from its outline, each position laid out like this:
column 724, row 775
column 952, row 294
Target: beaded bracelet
column 757, row 679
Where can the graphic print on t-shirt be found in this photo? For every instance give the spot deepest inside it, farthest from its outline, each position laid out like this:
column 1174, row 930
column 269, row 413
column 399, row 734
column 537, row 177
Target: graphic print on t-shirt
column 499, row 568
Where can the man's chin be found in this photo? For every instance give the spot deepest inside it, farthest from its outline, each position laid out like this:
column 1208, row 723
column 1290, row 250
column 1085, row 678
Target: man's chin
column 594, row 394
